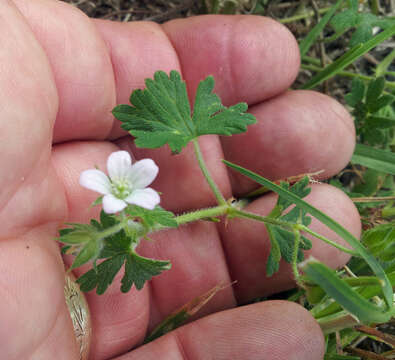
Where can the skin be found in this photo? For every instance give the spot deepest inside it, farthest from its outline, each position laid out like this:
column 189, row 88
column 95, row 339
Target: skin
column 60, row 74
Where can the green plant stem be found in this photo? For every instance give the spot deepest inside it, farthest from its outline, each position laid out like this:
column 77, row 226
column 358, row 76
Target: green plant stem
column 220, row 198
column 328, row 241
column 202, row 214
column 313, row 67
column 388, row 212
column 112, row 230
column 375, row 7
column 265, row 219
column 305, row 15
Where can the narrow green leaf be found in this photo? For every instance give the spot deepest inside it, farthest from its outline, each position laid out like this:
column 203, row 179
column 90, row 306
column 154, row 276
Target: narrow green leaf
column 385, row 63
column 348, row 58
column 350, row 300
column 375, row 89
column 76, row 237
column 380, row 122
column 325, row 219
column 89, row 252
column 357, row 92
column 380, row 160
column 310, row 38
column 381, row 102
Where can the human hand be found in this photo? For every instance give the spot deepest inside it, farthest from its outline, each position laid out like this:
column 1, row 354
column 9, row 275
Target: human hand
column 58, row 65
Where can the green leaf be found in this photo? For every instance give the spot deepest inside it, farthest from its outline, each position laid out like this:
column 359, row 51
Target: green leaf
column 348, row 58
column 374, row 136
column 152, row 217
column 364, row 30
column 370, row 184
column 300, row 189
column 160, row 114
column 381, row 102
column 380, row 160
column 89, row 252
column 310, row 38
column 76, row 237
column 375, row 89
column 380, row 122
column 117, row 251
column 101, row 277
column 357, row 92
column 281, row 240
column 385, row 63
column 139, row 269
column 343, row 293
column 344, row 20
column 325, row 219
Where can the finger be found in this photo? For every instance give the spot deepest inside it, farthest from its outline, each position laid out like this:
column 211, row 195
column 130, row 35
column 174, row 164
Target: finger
column 243, row 53
column 137, row 50
column 29, row 102
column 247, row 247
column 81, row 66
column 273, row 329
column 297, row 132
column 35, row 320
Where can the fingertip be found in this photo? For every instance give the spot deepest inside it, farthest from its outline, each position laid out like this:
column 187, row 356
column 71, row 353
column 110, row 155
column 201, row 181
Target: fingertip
column 252, row 58
column 277, row 330
column 337, row 205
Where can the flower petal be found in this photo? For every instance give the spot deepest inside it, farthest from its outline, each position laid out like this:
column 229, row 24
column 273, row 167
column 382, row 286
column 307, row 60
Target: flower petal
column 95, row 180
column 111, row 204
column 143, row 173
column 147, row 198
column 119, row 164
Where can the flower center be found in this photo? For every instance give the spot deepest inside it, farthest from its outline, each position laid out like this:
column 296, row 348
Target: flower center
column 121, row 188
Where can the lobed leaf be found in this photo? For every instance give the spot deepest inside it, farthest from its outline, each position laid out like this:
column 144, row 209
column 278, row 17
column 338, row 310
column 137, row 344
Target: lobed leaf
column 160, row 114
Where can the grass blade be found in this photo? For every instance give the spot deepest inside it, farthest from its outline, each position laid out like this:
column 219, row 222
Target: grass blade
column 306, row 43
column 348, row 58
column 329, row 222
column 376, row 159
column 343, row 293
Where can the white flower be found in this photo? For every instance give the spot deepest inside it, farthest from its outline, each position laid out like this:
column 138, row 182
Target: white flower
column 126, row 183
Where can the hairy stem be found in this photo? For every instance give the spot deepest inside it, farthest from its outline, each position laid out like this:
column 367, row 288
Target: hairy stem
column 220, row 198
column 330, row 242
column 202, row 214
column 264, row 219
column 112, row 230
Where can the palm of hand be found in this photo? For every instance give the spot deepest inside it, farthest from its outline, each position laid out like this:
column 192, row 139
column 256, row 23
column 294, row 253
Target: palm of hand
column 76, row 72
